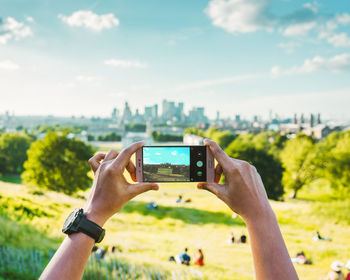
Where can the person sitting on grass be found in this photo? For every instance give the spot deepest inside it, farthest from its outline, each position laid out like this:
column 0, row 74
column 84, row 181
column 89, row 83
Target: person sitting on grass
column 335, row 273
column 198, row 258
column 348, row 268
column 318, row 237
column 184, row 257
column 243, row 192
column 243, row 239
column 301, row 259
column 231, row 238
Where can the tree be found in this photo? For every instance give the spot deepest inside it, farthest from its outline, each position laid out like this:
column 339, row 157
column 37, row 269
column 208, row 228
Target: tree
column 296, row 159
column 58, row 163
column 269, row 167
column 331, row 161
column 13, row 152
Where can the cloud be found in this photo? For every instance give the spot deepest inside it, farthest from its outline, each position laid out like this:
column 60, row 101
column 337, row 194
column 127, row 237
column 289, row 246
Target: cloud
column 90, row 20
column 82, row 78
column 338, row 63
column 299, row 29
column 29, row 19
column 343, row 19
column 219, row 81
column 10, row 28
column 246, row 16
column 289, row 47
column 8, row 65
column 240, row 16
column 125, row 63
column 339, row 40
column 312, row 6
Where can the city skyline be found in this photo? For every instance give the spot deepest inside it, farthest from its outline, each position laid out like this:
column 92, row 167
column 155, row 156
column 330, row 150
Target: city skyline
column 233, row 56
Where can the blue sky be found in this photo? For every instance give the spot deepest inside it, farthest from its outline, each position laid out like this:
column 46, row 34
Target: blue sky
column 236, row 56
column 172, row 155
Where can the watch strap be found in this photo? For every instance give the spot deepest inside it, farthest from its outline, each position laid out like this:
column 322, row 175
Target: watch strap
column 90, row 228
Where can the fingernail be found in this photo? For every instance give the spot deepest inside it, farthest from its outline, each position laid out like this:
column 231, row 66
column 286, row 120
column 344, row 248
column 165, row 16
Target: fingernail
column 155, row 186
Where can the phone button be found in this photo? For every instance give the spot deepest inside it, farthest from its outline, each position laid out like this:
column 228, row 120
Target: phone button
column 199, row 163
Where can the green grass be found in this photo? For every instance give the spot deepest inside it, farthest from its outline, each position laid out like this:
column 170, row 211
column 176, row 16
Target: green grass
column 148, row 237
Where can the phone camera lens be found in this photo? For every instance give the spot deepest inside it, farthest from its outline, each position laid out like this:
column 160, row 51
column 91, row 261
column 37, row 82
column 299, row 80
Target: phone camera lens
column 199, row 163
column 199, row 173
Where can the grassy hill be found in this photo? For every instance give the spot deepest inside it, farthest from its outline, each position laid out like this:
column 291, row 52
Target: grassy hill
column 33, row 219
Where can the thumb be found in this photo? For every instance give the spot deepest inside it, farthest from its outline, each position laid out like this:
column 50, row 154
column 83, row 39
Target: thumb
column 137, row 189
column 211, row 187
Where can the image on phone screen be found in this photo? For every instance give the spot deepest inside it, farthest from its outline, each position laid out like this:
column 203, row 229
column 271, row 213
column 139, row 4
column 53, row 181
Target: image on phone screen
column 166, row 164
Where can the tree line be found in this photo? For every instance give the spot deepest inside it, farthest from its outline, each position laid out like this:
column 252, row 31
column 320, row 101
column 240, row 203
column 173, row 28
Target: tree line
column 286, row 165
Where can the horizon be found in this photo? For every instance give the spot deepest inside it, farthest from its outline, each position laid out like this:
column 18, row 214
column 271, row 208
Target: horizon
column 87, row 57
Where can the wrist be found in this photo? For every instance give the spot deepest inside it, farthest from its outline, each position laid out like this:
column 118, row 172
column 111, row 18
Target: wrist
column 94, row 217
column 264, row 215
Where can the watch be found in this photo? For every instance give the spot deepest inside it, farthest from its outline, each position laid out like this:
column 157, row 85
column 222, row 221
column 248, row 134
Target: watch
column 77, row 222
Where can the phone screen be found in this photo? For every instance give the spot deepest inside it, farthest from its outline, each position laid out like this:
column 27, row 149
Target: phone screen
column 174, row 164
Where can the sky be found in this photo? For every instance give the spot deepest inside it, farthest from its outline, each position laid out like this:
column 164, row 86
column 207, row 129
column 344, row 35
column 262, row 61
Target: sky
column 172, row 155
column 243, row 57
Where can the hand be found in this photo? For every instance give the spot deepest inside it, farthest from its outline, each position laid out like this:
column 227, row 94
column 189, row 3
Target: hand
column 243, row 190
column 110, row 190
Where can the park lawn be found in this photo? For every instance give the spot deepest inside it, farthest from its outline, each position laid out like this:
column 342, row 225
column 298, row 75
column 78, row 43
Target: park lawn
column 31, row 218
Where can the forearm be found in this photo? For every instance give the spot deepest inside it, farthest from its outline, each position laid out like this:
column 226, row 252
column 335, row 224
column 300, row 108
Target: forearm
column 271, row 258
column 70, row 259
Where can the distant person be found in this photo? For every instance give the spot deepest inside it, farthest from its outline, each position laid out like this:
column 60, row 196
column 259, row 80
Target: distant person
column 184, row 258
column 348, row 268
column 301, row 259
column 335, row 273
column 100, row 253
column 152, row 205
column 243, row 192
column 243, row 239
column 231, row 238
column 318, row 237
column 179, row 199
column 198, row 258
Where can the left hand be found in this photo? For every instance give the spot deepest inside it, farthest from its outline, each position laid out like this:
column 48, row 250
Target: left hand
column 110, row 190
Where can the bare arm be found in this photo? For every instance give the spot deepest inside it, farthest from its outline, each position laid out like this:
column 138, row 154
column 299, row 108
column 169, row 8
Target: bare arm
column 245, row 194
column 109, row 193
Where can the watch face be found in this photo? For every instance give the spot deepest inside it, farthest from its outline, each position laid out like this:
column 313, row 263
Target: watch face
column 70, row 220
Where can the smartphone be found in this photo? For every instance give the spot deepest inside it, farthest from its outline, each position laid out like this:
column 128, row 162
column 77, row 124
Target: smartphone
column 174, row 164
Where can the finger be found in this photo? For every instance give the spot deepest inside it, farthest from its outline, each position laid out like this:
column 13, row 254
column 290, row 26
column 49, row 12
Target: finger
column 223, row 159
column 137, row 189
column 132, row 170
column 95, row 161
column 112, row 154
column 124, row 157
column 218, row 173
column 211, row 187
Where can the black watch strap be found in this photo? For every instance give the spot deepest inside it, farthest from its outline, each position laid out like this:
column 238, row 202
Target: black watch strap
column 91, row 229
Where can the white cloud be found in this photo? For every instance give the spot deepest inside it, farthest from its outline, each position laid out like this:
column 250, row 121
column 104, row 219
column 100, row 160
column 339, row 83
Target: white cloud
column 343, row 18
column 8, row 65
column 312, row 6
column 338, row 63
column 289, row 47
column 82, row 78
column 90, row 20
column 219, row 81
column 125, row 63
column 339, row 40
column 299, row 29
column 10, row 28
column 29, row 19
column 240, row 16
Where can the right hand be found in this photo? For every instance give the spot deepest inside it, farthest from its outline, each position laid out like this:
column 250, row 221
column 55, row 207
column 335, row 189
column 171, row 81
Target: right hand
column 243, row 190
column 111, row 190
